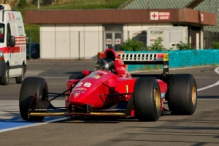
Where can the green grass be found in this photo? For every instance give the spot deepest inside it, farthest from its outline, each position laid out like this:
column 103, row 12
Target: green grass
column 71, row 4
column 85, row 4
column 150, row 67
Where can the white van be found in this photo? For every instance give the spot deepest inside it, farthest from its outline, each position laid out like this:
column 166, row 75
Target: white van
column 12, row 45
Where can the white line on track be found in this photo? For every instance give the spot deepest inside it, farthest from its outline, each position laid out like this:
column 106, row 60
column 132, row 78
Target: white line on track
column 210, row 86
column 37, row 124
column 217, row 70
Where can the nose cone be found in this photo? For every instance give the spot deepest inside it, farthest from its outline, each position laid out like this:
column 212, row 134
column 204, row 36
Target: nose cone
column 85, row 92
column 80, row 93
column 89, row 90
column 77, row 99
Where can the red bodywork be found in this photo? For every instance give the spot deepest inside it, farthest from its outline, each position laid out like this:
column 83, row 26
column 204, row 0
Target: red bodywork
column 104, row 89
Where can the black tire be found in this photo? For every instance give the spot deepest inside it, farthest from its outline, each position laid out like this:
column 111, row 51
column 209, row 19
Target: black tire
column 32, row 90
column 5, row 78
column 75, row 76
column 147, row 99
column 182, row 94
column 20, row 79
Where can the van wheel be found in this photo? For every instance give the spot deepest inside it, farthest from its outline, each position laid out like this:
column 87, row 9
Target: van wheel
column 33, row 90
column 147, row 99
column 20, row 79
column 5, row 78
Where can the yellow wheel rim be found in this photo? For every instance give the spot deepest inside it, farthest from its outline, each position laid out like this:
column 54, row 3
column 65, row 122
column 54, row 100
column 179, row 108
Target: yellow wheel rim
column 194, row 95
column 157, row 99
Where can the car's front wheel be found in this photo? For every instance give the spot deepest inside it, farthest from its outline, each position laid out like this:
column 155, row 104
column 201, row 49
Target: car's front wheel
column 33, row 89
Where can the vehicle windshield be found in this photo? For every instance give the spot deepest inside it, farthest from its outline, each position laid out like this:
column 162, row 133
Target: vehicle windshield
column 2, row 34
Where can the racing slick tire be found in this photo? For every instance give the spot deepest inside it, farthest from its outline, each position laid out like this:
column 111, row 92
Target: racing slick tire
column 4, row 80
column 20, row 79
column 147, row 99
column 33, row 89
column 182, row 94
column 75, row 76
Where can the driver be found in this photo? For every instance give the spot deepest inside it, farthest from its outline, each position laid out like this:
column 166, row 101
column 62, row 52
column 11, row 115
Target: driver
column 105, row 64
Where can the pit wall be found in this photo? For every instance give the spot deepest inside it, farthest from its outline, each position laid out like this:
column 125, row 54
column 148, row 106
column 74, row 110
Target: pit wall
column 181, row 58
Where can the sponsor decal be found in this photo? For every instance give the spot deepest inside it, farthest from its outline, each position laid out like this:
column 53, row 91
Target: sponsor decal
column 127, row 89
column 96, row 76
column 105, row 73
column 80, row 89
column 166, row 57
column 76, row 95
column 82, row 92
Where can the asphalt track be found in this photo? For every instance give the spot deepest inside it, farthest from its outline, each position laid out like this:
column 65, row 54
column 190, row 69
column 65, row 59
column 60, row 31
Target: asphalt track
column 200, row 129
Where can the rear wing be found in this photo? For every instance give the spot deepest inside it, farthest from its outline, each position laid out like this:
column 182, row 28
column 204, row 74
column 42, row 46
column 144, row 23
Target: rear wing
column 146, row 58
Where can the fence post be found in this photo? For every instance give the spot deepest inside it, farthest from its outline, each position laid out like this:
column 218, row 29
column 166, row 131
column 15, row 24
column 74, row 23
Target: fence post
column 79, row 46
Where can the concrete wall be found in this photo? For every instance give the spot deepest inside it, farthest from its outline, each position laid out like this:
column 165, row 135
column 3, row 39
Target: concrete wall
column 70, row 41
column 47, row 42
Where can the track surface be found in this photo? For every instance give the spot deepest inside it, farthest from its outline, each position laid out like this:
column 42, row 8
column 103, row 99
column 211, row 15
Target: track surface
column 200, row 129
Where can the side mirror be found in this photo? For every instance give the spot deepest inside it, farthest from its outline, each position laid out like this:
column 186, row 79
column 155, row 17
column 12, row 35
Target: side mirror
column 11, row 41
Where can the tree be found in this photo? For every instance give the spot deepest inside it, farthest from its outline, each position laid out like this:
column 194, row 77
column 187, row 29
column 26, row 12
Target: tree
column 22, row 4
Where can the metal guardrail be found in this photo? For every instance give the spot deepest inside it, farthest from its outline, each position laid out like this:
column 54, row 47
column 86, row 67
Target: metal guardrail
column 140, row 57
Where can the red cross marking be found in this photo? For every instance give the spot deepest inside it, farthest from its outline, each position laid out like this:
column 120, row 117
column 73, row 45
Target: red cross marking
column 109, row 41
column 154, row 15
column 118, row 41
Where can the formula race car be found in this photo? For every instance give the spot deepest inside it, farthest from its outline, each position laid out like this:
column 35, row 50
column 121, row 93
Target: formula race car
column 110, row 90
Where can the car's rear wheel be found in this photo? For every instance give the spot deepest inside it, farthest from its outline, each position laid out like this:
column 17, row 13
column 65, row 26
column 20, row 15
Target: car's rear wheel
column 4, row 80
column 20, row 79
column 147, row 99
column 33, row 89
column 182, row 94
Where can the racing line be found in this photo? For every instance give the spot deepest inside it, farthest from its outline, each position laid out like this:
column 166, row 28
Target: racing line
column 18, row 122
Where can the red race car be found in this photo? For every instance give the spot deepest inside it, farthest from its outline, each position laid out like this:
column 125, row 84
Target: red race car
column 111, row 90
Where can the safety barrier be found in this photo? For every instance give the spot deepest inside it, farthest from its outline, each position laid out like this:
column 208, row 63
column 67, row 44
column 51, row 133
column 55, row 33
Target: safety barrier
column 182, row 58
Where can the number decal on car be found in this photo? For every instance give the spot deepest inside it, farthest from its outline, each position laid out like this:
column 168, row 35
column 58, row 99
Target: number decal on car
column 87, row 84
